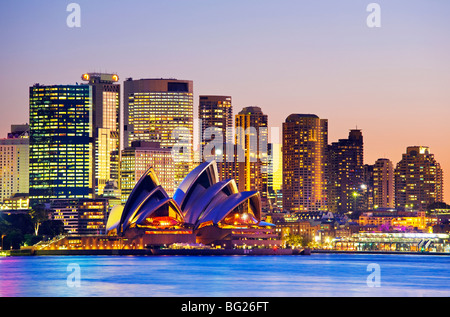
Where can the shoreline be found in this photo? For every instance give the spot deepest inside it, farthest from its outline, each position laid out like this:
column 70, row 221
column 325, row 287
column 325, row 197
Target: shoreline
column 378, row 252
column 201, row 252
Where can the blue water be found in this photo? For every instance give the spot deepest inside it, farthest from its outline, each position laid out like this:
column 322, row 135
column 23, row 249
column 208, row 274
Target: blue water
column 317, row 275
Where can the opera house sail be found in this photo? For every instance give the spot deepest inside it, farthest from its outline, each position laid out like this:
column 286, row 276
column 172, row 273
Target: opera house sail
column 202, row 210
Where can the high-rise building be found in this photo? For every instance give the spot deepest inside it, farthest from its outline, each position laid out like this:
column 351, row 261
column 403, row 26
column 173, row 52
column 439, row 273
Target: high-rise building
column 418, row 180
column 383, row 184
column 216, row 138
column 305, row 140
column 105, row 128
column 346, row 172
column 61, row 142
column 162, row 111
column 138, row 158
column 275, row 176
column 14, row 162
column 252, row 151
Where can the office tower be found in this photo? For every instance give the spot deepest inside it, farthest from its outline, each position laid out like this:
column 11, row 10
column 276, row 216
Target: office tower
column 80, row 216
column 275, row 176
column 61, row 142
column 14, row 162
column 216, row 120
column 383, row 184
column 251, row 151
column 105, row 128
column 346, row 173
column 138, row 158
column 418, row 180
column 162, row 111
column 305, row 139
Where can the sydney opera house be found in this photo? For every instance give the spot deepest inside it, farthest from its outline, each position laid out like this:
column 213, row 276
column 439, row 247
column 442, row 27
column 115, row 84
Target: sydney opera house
column 203, row 210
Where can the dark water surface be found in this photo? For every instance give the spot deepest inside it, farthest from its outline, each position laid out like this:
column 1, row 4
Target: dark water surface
column 226, row 276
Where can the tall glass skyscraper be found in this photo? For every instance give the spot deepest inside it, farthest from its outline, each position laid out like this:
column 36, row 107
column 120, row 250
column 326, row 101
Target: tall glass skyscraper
column 216, row 138
column 252, row 151
column 105, row 128
column 162, row 111
column 61, row 142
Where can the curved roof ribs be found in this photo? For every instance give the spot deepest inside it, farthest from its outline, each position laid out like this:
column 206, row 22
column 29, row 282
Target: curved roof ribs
column 149, row 202
column 203, row 176
column 146, row 213
column 220, row 211
column 195, row 208
column 146, row 184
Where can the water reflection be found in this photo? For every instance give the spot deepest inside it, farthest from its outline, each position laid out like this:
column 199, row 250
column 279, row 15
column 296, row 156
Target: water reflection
column 231, row 276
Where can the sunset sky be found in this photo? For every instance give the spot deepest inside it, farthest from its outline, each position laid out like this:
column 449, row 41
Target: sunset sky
column 295, row 56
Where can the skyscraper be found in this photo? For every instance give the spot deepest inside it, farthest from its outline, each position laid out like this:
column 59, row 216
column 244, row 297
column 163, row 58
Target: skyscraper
column 383, row 184
column 275, row 175
column 252, row 151
column 216, row 119
column 162, row 111
column 418, row 180
column 305, row 139
column 61, row 142
column 346, row 172
column 105, row 128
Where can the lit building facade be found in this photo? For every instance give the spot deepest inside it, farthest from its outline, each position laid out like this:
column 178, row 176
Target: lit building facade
column 80, row 216
column 105, row 128
column 61, row 142
column 14, row 162
column 383, row 184
column 252, row 151
column 216, row 138
column 418, row 180
column 138, row 158
column 275, row 176
column 305, row 140
column 346, row 171
column 162, row 111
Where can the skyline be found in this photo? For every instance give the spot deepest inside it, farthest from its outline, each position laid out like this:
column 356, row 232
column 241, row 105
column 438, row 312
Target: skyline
column 285, row 57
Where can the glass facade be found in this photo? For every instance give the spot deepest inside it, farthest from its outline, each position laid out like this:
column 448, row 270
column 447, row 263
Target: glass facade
column 60, row 142
column 252, row 151
column 162, row 111
column 105, row 129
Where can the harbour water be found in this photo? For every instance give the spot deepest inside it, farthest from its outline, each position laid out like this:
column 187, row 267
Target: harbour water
column 318, row 275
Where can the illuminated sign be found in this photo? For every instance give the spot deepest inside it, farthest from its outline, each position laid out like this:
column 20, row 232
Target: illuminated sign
column 103, row 77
